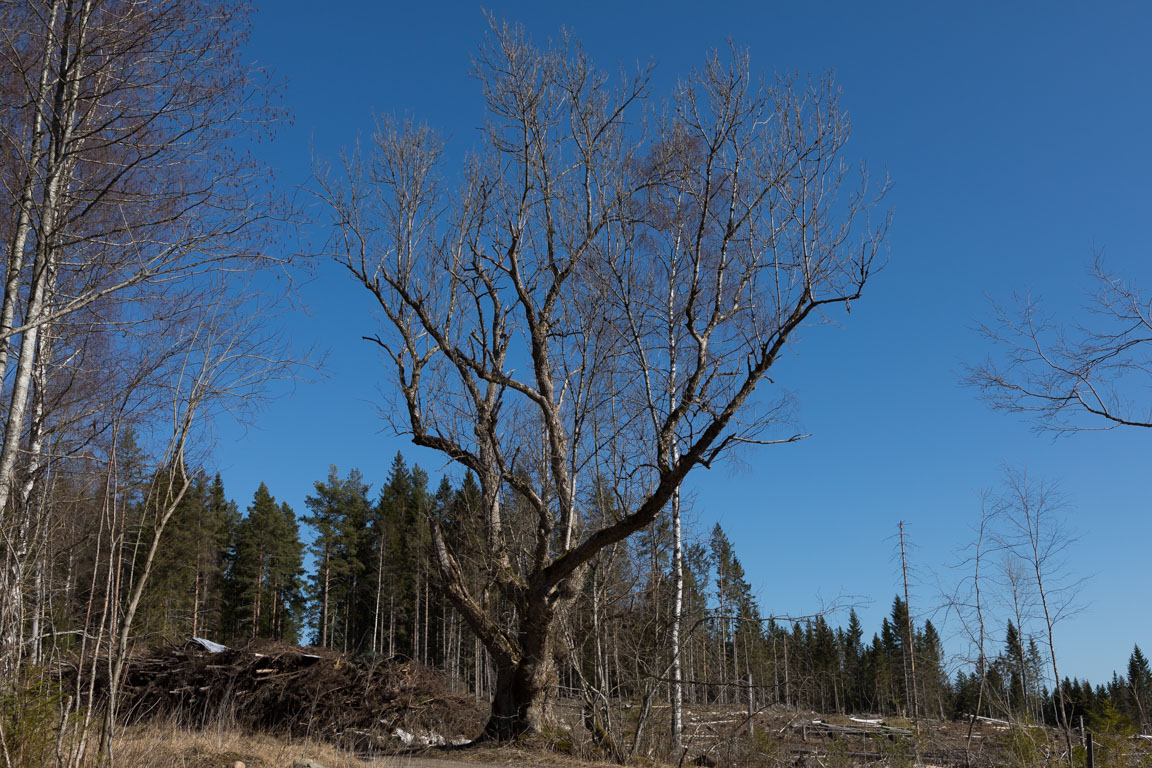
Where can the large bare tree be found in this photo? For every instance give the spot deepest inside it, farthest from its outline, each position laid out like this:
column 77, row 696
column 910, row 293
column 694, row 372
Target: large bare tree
column 594, row 303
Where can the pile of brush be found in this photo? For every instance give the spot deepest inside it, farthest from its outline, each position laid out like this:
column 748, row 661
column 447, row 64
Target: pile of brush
column 300, row 692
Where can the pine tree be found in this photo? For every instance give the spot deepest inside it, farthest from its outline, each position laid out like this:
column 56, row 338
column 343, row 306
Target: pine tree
column 340, row 549
column 267, row 565
column 325, row 521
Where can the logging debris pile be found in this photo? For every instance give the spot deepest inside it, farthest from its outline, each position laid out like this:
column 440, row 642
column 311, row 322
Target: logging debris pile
column 283, row 689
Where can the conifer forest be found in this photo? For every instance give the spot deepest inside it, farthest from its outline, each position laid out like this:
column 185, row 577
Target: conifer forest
column 575, row 312
column 231, row 575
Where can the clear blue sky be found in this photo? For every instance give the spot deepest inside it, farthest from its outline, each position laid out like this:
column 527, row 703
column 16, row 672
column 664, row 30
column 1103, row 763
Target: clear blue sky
column 1017, row 140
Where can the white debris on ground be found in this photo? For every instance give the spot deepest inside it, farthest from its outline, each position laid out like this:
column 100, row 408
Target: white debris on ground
column 428, row 739
column 210, row 646
column 993, row 721
column 867, row 721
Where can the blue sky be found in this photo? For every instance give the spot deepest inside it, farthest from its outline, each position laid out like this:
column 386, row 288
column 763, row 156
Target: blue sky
column 1017, row 142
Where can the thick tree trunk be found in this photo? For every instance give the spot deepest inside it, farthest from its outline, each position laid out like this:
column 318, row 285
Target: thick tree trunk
column 523, row 698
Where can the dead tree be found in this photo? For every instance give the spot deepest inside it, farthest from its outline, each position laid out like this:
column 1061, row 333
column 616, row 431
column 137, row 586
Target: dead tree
column 909, row 639
column 526, row 308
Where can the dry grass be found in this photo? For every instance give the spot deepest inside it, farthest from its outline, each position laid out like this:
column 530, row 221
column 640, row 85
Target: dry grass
column 171, row 746
column 167, row 746
column 518, row 756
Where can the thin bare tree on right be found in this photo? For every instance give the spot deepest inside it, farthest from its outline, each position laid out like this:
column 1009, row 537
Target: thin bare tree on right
column 1031, row 531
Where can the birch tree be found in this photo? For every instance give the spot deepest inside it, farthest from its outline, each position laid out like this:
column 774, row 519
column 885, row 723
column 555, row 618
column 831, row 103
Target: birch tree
column 224, row 354
column 126, row 181
column 525, row 304
column 1033, row 533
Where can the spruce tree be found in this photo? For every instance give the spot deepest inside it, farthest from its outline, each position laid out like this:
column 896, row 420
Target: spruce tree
column 222, row 517
column 936, row 687
column 721, row 551
column 287, row 579
column 168, row 605
column 901, row 630
column 1140, row 687
column 395, row 587
column 853, row 663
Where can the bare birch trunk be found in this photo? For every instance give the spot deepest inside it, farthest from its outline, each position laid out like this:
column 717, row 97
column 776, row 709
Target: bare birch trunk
column 324, row 604
column 27, row 191
column 1049, row 624
column 259, row 592
column 981, row 666
column 377, row 625
column 59, row 133
column 124, row 636
column 55, row 186
column 415, row 649
column 910, row 640
column 787, row 675
column 196, row 600
column 722, row 696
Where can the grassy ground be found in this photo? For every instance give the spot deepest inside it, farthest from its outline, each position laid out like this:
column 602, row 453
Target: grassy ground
column 167, row 746
column 157, row 746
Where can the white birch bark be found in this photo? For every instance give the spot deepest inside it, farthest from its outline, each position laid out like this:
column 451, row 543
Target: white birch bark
column 42, row 275
column 35, row 152
column 677, row 612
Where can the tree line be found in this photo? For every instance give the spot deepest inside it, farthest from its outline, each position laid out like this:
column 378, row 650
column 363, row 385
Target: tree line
column 372, row 588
